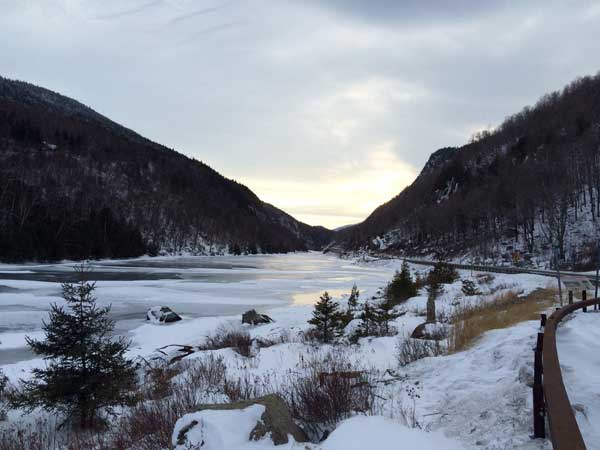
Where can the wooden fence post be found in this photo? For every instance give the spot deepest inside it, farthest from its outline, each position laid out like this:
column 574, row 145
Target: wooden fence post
column 542, row 320
column 570, row 297
column 583, row 299
column 539, row 425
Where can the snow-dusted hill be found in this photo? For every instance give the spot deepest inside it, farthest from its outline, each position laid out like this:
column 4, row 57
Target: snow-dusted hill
column 74, row 184
column 515, row 194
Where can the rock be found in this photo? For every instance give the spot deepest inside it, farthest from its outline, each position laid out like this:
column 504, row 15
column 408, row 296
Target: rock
column 430, row 331
column 162, row 314
column 230, row 424
column 253, row 318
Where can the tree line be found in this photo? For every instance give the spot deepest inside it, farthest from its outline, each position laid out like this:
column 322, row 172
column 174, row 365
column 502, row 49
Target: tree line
column 533, row 182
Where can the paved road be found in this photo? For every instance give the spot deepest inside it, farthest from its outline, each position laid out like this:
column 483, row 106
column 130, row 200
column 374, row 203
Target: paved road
column 569, row 279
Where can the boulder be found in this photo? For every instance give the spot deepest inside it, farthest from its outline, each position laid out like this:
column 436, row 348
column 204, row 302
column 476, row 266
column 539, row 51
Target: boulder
column 253, row 318
column 162, row 314
column 230, row 424
column 431, row 331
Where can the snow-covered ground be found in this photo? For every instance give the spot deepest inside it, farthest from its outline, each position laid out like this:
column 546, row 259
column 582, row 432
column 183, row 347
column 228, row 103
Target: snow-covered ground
column 578, row 337
column 479, row 398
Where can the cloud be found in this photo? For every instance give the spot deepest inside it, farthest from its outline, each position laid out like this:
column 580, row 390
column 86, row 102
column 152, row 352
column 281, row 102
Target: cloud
column 368, row 181
column 130, row 11
column 196, row 13
column 324, row 108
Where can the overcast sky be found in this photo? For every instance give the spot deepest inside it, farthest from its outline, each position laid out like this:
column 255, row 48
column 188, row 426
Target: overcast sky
column 324, row 108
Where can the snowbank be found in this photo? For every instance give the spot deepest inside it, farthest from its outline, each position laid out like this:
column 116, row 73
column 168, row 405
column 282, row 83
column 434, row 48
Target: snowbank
column 360, row 433
column 218, row 430
column 578, row 337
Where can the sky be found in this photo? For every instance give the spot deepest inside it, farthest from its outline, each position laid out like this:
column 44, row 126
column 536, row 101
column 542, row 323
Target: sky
column 324, row 108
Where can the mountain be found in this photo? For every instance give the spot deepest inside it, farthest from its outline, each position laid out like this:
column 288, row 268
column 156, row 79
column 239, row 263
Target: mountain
column 516, row 193
column 74, row 184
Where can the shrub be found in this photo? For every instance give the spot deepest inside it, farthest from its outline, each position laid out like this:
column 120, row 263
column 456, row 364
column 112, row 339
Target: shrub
column 331, row 390
column 327, row 319
column 157, row 380
column 246, row 387
column 410, row 350
column 442, row 273
column 226, row 337
column 402, row 287
column 87, row 374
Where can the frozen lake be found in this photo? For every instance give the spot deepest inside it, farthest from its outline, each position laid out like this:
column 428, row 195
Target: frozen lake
column 192, row 286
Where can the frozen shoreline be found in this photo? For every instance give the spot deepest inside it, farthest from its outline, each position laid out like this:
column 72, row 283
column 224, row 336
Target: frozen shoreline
column 195, row 287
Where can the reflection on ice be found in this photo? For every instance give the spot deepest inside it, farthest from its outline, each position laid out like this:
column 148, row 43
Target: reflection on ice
column 192, row 286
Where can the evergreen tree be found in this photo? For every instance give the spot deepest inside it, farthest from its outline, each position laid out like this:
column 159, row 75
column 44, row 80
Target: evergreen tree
column 327, row 318
column 368, row 321
column 348, row 315
column 353, row 299
column 442, row 273
column 384, row 314
column 402, row 287
column 87, row 372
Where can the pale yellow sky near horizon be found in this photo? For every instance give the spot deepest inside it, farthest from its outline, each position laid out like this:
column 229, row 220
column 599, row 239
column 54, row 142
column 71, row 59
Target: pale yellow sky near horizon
column 361, row 185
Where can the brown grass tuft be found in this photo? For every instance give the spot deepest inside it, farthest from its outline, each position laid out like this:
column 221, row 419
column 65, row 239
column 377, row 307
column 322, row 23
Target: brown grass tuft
column 501, row 311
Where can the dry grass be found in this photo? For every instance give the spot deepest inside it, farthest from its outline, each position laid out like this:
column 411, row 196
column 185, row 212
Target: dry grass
column 410, row 350
column 226, row 337
column 501, row 311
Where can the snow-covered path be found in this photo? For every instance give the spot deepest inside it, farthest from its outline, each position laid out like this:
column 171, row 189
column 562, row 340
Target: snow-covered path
column 578, row 341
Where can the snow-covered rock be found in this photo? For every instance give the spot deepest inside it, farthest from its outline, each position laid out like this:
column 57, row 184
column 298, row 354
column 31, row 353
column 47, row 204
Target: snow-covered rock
column 231, row 426
column 162, row 314
column 359, row 433
column 253, row 318
column 216, row 429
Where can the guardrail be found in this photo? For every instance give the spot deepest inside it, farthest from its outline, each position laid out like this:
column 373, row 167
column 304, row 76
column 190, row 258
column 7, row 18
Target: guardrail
column 550, row 397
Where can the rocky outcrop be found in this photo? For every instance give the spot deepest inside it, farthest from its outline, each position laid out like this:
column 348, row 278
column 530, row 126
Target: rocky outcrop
column 253, row 318
column 229, row 424
column 162, row 314
column 430, row 331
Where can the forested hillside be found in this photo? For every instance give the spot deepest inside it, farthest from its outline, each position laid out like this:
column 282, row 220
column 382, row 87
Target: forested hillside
column 516, row 193
column 74, row 184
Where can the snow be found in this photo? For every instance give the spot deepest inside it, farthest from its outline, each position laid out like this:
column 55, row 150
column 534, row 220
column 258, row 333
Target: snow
column 219, row 430
column 577, row 340
column 478, row 398
column 359, row 433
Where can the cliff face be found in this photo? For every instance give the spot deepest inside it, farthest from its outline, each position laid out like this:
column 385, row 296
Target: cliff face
column 516, row 193
column 74, row 184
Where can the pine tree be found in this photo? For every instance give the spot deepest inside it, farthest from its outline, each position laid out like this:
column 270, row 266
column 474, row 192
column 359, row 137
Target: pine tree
column 384, row 314
column 327, row 318
column 442, row 273
column 353, row 299
column 87, row 372
column 368, row 321
column 402, row 287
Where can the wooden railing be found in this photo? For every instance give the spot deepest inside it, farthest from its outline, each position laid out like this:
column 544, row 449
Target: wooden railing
column 550, row 397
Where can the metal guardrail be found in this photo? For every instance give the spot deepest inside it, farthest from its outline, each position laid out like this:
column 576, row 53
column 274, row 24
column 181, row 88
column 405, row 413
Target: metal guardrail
column 550, row 397
column 498, row 269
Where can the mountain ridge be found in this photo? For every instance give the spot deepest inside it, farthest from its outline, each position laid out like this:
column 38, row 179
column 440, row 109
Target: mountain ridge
column 513, row 194
column 70, row 171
